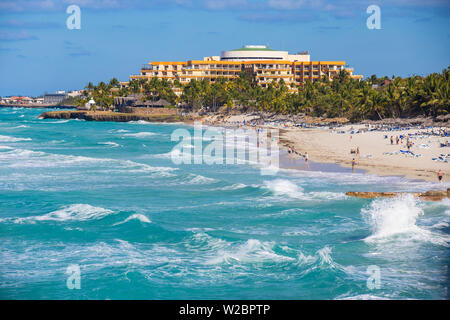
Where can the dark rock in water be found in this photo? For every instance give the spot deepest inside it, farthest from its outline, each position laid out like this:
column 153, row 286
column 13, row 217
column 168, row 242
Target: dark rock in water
column 111, row 116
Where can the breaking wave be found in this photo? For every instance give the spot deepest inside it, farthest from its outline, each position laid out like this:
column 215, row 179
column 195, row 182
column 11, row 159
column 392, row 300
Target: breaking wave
column 140, row 134
column 27, row 158
column 74, row 212
column 12, row 139
column 282, row 187
column 136, row 216
column 109, row 143
column 393, row 217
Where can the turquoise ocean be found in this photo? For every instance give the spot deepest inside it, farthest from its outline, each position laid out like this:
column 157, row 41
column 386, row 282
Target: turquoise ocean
column 107, row 198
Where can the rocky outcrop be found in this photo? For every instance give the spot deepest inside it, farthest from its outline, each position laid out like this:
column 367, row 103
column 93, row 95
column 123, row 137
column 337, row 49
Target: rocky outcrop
column 434, row 195
column 112, row 116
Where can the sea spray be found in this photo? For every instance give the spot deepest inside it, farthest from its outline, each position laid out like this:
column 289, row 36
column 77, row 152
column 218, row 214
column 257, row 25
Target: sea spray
column 392, row 217
column 388, row 217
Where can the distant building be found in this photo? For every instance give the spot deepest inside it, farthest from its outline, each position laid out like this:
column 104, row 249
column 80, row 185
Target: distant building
column 265, row 65
column 75, row 93
column 54, row 98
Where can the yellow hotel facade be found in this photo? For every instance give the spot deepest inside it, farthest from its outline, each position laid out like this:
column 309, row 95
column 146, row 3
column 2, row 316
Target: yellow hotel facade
column 264, row 64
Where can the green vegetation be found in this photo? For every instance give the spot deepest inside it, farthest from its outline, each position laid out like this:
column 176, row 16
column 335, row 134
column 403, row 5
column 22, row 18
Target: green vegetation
column 102, row 93
column 373, row 98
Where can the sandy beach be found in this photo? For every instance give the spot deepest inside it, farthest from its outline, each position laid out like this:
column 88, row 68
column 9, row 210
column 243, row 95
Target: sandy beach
column 377, row 154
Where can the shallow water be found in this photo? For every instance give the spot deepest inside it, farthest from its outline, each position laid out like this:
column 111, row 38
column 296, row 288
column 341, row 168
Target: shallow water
column 107, row 197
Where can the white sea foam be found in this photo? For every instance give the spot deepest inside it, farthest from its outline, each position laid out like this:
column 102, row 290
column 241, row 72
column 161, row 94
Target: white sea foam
column 235, row 186
column 27, row 158
column 140, row 134
column 139, row 122
column 59, row 121
column 396, row 217
column 12, row 139
column 74, row 212
column 136, row 216
column 109, row 143
column 284, row 188
column 199, row 179
column 252, row 251
column 362, row 297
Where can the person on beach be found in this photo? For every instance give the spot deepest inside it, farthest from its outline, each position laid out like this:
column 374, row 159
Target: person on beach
column 357, row 151
column 440, row 174
column 392, row 140
column 409, row 145
column 306, row 159
column 396, row 139
column 353, row 164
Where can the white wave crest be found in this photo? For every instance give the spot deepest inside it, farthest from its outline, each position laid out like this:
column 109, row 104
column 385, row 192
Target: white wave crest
column 59, row 121
column 198, row 179
column 139, row 122
column 140, row 134
column 136, row 216
column 252, row 251
column 28, row 158
column 235, row 186
column 74, row 212
column 109, row 143
column 12, row 139
column 284, row 188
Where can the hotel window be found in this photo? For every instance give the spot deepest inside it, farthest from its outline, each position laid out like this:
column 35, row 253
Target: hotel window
column 306, row 67
column 315, row 73
column 306, row 73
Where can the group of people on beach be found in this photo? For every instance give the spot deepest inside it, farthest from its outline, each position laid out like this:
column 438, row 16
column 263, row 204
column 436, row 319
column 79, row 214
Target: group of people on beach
column 291, row 150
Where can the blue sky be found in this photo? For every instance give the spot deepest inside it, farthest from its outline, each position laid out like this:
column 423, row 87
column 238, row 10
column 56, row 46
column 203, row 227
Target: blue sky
column 39, row 54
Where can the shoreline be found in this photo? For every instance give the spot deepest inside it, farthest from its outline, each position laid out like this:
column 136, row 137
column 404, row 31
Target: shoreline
column 329, row 145
column 113, row 116
column 379, row 158
column 325, row 145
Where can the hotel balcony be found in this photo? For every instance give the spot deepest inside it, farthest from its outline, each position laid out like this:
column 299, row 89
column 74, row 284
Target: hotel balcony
column 147, row 66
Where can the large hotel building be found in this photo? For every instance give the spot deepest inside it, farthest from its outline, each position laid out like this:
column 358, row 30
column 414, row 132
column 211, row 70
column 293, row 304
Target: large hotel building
column 264, row 64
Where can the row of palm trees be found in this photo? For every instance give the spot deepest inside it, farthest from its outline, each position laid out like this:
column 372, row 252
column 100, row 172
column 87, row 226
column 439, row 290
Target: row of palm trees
column 372, row 98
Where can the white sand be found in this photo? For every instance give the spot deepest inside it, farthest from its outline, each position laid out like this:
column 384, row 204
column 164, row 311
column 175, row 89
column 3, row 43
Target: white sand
column 324, row 145
column 329, row 146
